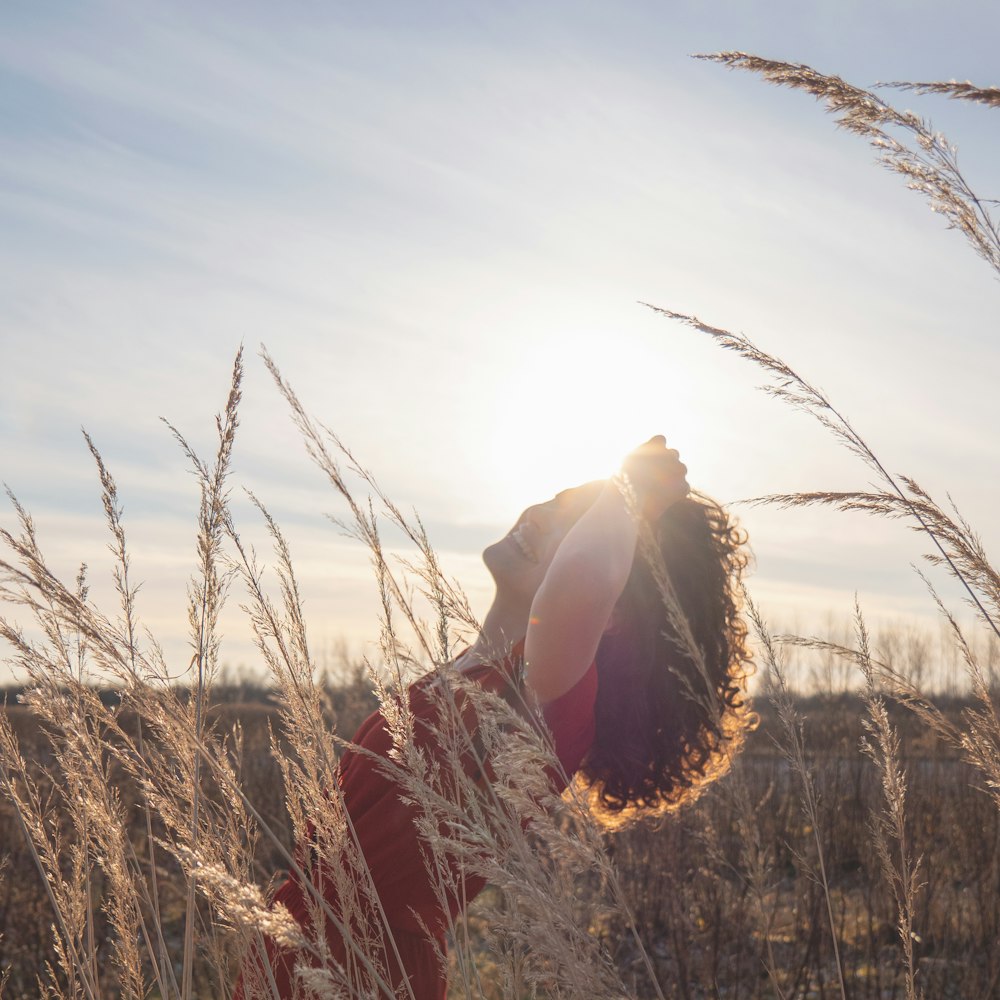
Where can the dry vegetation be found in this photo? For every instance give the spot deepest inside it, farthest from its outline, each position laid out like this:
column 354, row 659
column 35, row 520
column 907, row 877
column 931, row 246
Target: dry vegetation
column 688, row 881
column 851, row 852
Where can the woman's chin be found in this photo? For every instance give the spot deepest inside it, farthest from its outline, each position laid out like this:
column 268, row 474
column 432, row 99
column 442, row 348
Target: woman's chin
column 493, row 557
column 511, row 572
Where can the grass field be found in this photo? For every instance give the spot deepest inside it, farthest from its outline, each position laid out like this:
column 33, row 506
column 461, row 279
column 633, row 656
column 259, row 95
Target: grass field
column 687, row 880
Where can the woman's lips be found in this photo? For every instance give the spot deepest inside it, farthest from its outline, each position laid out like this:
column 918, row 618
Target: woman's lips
column 522, row 545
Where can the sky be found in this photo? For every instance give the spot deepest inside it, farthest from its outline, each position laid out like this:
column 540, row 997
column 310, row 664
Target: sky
column 441, row 220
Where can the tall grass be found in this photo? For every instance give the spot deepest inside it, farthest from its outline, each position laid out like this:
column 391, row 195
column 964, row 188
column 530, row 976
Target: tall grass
column 153, row 843
column 906, row 145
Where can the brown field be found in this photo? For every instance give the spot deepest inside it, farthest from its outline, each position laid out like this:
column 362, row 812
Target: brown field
column 686, row 881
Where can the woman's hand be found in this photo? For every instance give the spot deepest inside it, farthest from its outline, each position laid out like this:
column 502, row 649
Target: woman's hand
column 657, row 476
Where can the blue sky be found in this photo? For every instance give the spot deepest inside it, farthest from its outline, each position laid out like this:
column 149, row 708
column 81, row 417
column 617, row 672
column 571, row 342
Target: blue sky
column 440, row 218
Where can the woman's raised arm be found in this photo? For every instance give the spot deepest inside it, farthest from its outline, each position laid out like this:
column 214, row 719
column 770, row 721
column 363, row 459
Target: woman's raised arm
column 574, row 605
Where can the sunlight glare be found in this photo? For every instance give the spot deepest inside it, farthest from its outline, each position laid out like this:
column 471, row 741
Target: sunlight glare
column 582, row 404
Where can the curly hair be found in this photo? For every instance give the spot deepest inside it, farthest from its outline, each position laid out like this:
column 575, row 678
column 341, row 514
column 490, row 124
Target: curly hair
column 671, row 710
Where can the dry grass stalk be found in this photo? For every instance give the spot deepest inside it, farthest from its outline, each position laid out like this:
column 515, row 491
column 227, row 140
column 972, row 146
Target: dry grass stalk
column 980, row 741
column 480, row 831
column 990, row 96
column 323, row 447
column 958, row 548
column 929, row 165
column 207, row 595
column 900, row 868
column 310, row 770
column 80, row 729
column 127, row 592
column 29, row 810
column 793, row 748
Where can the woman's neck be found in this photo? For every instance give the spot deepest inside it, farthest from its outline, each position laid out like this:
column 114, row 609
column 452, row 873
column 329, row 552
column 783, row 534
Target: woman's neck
column 504, row 625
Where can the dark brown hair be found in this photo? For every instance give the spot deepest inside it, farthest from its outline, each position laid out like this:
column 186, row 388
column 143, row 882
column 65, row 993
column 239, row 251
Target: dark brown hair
column 670, row 718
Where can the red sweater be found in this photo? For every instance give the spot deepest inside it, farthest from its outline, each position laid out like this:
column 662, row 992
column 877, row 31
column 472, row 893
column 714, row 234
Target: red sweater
column 385, row 830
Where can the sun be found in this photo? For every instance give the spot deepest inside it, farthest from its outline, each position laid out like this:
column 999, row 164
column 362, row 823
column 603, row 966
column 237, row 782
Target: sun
column 582, row 402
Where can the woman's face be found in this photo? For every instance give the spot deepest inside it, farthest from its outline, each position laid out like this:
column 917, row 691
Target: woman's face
column 519, row 561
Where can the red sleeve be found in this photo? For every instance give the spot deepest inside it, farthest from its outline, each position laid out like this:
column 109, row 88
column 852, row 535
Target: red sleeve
column 570, row 719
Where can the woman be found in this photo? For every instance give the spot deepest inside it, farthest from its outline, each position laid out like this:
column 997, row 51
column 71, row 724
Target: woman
column 636, row 664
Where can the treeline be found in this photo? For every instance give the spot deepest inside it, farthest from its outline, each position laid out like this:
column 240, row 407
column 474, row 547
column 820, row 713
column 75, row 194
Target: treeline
column 833, row 722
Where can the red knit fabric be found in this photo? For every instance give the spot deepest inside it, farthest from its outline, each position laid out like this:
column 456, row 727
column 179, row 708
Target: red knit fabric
column 391, row 847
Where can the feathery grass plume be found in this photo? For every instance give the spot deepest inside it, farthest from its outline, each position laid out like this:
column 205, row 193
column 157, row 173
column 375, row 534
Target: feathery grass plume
column 900, row 868
column 89, row 742
column 46, row 847
column 353, row 880
column 929, row 165
column 323, row 446
column 793, row 749
column 206, row 596
column 958, row 547
column 129, row 622
column 79, row 729
column 956, row 90
column 980, row 741
column 312, row 791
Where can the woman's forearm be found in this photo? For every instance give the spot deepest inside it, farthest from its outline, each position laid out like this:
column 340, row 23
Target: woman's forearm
column 588, row 572
column 574, row 602
column 595, row 558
